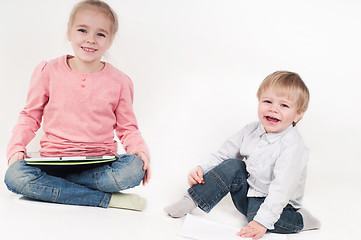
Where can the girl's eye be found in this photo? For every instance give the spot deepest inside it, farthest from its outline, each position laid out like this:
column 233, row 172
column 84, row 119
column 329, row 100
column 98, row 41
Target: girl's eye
column 284, row 105
column 82, row 30
column 101, row 35
column 267, row 101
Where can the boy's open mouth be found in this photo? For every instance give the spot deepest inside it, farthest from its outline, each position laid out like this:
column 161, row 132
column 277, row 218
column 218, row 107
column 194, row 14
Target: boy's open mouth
column 272, row 119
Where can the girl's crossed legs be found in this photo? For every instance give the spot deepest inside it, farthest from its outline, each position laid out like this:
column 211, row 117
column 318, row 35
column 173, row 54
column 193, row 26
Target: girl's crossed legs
column 75, row 185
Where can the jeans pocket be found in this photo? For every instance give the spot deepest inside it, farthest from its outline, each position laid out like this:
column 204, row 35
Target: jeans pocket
column 106, row 182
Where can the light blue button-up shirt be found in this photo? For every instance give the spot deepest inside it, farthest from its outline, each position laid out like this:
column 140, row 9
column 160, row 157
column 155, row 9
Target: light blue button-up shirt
column 276, row 163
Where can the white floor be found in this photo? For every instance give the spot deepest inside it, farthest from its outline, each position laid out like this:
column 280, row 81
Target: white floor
column 27, row 219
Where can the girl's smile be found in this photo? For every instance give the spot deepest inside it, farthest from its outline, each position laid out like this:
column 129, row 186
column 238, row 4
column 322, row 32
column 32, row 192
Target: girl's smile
column 87, row 49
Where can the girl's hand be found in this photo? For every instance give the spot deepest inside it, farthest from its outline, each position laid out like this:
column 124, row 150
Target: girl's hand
column 195, row 176
column 146, row 166
column 16, row 157
column 253, row 230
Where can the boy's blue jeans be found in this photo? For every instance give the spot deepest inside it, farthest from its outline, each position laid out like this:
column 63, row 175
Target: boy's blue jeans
column 76, row 185
column 231, row 177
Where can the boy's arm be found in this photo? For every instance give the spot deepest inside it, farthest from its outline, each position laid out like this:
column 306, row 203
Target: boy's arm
column 289, row 171
column 253, row 230
column 229, row 149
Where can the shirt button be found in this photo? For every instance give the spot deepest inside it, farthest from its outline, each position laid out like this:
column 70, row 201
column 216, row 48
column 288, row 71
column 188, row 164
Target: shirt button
column 260, row 146
column 83, row 79
column 83, row 86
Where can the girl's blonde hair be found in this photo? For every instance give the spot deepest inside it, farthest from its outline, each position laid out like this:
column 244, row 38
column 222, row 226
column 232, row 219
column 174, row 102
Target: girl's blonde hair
column 287, row 84
column 98, row 5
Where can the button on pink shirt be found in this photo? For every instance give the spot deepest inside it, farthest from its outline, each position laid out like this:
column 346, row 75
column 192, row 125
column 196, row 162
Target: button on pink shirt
column 80, row 112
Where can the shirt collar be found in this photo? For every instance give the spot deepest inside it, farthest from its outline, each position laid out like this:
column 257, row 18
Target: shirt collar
column 272, row 137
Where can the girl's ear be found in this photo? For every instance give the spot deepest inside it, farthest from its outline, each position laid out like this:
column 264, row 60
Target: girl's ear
column 111, row 41
column 68, row 32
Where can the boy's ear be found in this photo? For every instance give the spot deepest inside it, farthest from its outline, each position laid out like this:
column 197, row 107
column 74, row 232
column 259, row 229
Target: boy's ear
column 298, row 117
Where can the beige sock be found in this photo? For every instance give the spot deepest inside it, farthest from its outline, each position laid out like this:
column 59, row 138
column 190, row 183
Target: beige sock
column 127, row 201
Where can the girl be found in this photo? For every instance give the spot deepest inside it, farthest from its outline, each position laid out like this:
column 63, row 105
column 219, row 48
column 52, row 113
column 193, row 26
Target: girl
column 82, row 100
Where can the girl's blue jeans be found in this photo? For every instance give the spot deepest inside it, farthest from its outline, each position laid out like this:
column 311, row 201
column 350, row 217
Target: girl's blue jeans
column 89, row 185
column 231, row 177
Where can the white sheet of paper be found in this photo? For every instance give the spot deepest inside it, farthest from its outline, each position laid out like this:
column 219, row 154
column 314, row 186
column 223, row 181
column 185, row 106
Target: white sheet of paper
column 200, row 228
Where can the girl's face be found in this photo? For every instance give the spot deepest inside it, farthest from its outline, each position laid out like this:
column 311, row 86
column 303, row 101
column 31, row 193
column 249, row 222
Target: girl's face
column 90, row 36
column 276, row 113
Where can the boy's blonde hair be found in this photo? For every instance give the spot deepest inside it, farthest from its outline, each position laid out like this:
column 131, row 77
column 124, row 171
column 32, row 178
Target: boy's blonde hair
column 287, row 84
column 98, row 5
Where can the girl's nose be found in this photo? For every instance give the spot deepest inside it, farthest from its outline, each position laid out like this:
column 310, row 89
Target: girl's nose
column 90, row 40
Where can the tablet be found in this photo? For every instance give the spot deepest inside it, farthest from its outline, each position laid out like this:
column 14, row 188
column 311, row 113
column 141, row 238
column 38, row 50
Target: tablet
column 35, row 158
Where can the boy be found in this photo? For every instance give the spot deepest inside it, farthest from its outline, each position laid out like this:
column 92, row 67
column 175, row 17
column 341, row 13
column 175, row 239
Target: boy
column 263, row 166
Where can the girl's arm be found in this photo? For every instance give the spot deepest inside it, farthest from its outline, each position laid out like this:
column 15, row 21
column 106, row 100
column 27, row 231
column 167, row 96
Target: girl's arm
column 29, row 120
column 16, row 157
column 127, row 128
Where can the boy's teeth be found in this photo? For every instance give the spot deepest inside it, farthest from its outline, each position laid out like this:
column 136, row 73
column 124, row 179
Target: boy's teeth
column 272, row 119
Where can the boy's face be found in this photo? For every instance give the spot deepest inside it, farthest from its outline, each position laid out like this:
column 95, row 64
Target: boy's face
column 276, row 113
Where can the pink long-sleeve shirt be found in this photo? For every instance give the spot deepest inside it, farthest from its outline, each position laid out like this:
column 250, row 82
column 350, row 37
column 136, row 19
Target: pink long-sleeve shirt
column 78, row 112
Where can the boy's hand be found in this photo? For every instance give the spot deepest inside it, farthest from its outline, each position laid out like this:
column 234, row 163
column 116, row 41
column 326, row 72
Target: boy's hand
column 195, row 176
column 253, row 230
column 146, row 166
column 16, row 157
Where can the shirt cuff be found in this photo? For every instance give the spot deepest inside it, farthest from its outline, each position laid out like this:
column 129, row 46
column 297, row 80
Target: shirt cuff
column 203, row 169
column 264, row 223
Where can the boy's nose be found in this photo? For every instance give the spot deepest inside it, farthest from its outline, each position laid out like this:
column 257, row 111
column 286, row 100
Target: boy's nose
column 273, row 109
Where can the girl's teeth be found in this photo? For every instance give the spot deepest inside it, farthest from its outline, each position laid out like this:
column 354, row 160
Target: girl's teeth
column 89, row 50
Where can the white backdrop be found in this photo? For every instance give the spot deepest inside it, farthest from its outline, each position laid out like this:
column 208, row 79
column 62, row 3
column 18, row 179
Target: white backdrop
column 196, row 66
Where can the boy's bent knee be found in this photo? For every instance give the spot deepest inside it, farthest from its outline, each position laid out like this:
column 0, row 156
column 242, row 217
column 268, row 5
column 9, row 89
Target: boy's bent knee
column 233, row 165
column 231, row 169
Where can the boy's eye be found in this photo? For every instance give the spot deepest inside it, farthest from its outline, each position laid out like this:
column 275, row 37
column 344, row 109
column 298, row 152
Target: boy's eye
column 267, row 101
column 82, row 30
column 101, row 35
column 284, row 105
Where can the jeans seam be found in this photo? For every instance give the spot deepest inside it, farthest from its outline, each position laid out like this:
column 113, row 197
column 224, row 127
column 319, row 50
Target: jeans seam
column 201, row 204
column 207, row 206
column 31, row 179
column 116, row 182
column 105, row 201
column 219, row 180
column 53, row 198
column 291, row 228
